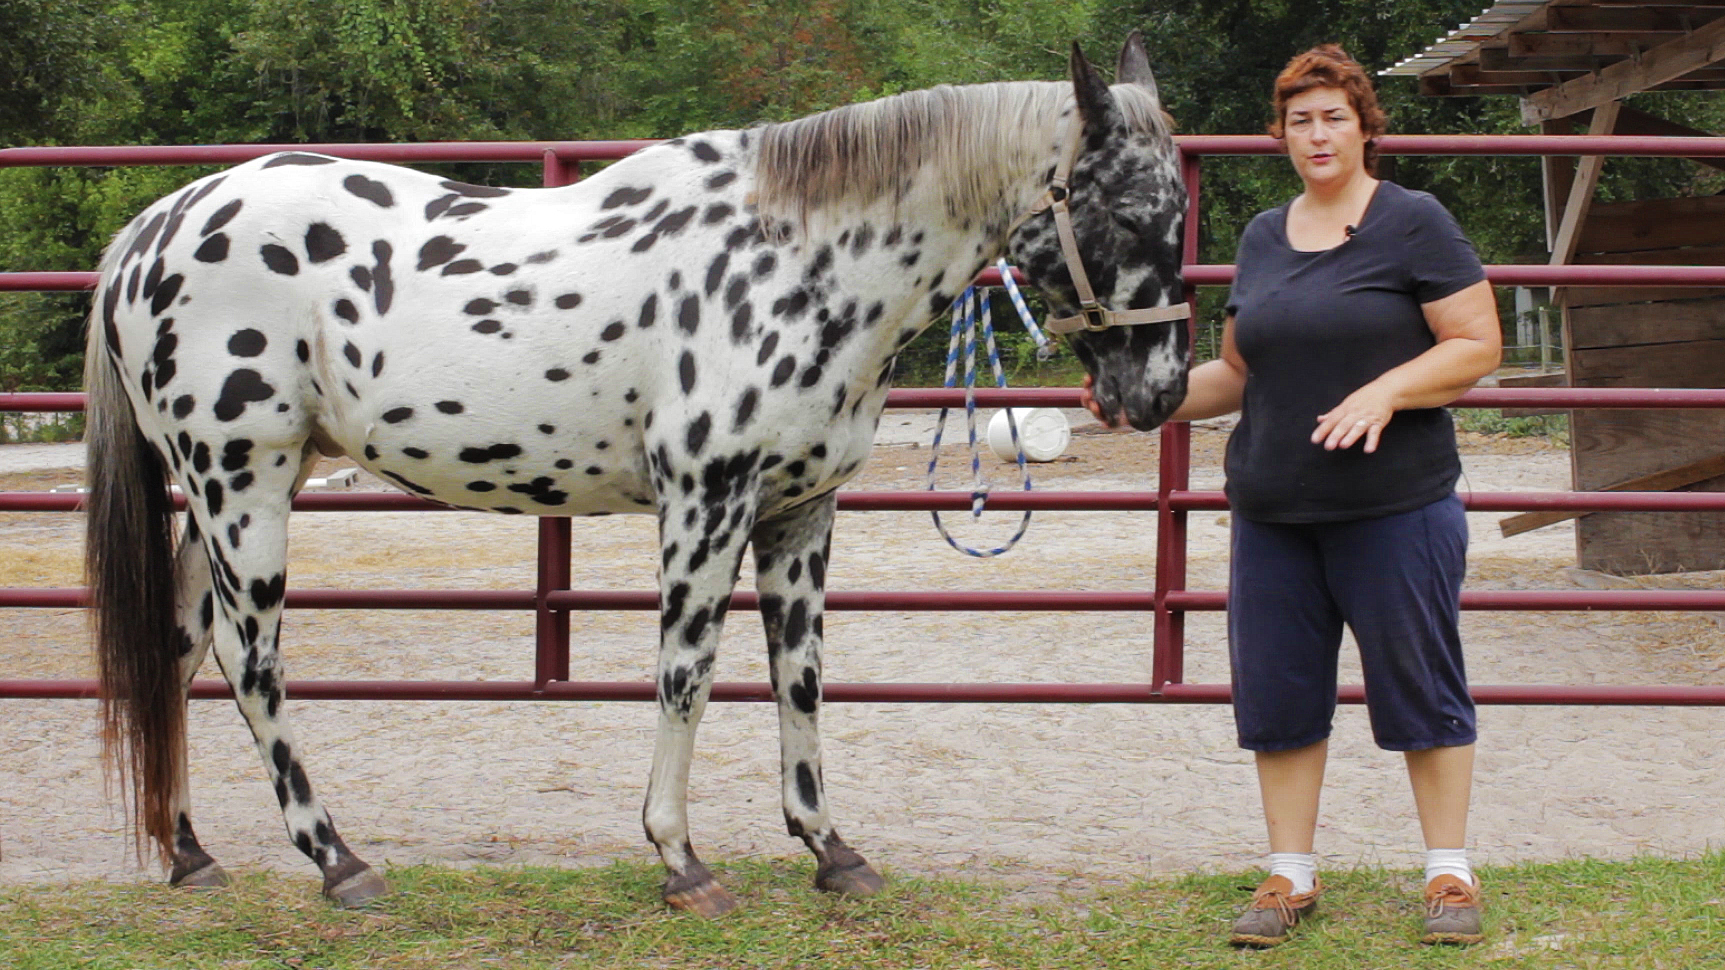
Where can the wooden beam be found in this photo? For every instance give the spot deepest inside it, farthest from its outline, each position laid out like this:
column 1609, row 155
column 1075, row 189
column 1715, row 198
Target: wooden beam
column 1667, row 62
column 1557, row 172
column 1631, row 121
column 1470, row 75
column 1626, row 20
column 1665, row 481
column 1541, row 44
column 1581, row 192
column 1497, row 59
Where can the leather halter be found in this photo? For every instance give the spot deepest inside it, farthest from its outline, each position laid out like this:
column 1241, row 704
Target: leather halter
column 1092, row 315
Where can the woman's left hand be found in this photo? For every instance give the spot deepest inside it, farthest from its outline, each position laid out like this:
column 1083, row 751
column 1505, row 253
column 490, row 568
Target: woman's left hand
column 1361, row 415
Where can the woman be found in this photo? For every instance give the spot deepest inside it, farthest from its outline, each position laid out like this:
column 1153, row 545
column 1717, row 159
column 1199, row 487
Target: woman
column 1357, row 311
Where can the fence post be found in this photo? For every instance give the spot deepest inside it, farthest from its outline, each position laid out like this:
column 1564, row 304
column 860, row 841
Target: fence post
column 551, row 627
column 1168, row 650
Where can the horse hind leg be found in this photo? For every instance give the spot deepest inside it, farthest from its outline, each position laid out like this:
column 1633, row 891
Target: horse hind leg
column 190, row 866
column 790, row 574
column 245, row 537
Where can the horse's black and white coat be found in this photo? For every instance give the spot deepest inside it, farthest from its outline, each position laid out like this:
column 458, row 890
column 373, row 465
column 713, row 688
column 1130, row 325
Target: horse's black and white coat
column 704, row 332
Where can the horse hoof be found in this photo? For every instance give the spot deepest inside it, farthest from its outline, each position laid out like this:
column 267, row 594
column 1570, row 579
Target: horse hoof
column 209, row 876
column 855, row 879
column 358, row 889
column 708, row 900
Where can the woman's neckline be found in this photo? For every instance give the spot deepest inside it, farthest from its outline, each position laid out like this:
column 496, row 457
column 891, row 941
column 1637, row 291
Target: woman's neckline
column 1371, row 203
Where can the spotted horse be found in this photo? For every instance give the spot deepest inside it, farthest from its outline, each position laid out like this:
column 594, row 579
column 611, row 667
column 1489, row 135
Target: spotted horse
column 704, row 332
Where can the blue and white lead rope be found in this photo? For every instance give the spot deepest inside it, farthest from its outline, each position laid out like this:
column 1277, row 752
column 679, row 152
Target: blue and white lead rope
column 970, row 305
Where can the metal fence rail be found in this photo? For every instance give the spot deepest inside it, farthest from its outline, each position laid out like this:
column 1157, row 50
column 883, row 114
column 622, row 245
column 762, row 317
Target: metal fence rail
column 1168, row 601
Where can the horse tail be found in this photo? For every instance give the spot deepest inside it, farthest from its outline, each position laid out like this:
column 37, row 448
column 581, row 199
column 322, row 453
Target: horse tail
column 129, row 565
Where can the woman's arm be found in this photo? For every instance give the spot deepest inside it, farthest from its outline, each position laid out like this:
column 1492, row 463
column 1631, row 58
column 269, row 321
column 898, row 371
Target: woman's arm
column 1469, row 346
column 1212, row 388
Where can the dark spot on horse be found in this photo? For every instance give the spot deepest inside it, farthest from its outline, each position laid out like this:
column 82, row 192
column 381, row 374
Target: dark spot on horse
column 450, row 407
column 437, row 251
column 736, row 290
column 242, row 387
column 644, row 243
column 481, row 487
column 519, row 297
column 213, row 497
column 221, row 217
column 567, row 301
column 649, row 311
column 704, row 151
column 462, row 267
column 625, row 196
column 621, row 227
column 740, row 322
column 716, row 272
column 351, row 352
column 768, row 346
column 717, row 212
column 487, row 326
column 165, row 293
column 689, row 314
column 377, row 364
column 397, row 415
column 298, row 158
column 613, row 330
column 503, row 269
column 782, row 371
column 474, row 191
column 183, row 405
column 370, row 190
column 795, row 571
column 479, row 456
column 213, row 250
column 323, row 243
column 345, row 309
column 806, row 697
column 699, row 428
column 556, row 374
column 416, row 452
column 590, row 357
column 685, row 373
column 236, row 454
column 479, row 307
column 674, row 223
column 279, row 259
column 746, row 409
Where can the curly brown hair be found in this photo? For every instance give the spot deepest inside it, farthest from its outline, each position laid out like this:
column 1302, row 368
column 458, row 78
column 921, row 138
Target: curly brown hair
column 1328, row 66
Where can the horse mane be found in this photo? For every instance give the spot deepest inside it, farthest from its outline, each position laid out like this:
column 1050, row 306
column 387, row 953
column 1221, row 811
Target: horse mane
column 975, row 140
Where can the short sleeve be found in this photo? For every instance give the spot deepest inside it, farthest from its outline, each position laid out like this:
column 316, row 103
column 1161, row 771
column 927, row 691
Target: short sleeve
column 1248, row 247
column 1441, row 260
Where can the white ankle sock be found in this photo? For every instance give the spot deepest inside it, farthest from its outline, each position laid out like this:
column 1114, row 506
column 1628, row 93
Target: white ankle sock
column 1451, row 862
column 1300, row 868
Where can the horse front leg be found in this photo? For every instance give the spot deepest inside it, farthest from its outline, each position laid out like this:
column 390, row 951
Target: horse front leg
column 701, row 541
column 790, row 574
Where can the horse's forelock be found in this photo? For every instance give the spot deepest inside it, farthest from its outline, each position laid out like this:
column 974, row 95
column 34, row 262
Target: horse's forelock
column 862, row 153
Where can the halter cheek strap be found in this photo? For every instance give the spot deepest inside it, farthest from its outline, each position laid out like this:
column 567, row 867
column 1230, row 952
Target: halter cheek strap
column 1092, row 315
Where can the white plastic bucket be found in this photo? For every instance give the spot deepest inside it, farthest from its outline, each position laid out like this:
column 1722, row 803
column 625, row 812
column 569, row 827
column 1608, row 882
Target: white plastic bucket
column 1044, row 432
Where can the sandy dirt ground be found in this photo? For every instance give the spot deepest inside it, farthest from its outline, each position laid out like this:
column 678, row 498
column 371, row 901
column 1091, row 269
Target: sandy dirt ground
column 1041, row 796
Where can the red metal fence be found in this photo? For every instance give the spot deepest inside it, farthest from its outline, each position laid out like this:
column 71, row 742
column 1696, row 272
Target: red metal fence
column 1168, row 602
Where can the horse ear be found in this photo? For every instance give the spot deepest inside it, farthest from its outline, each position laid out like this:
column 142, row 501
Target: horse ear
column 1090, row 88
column 1134, row 65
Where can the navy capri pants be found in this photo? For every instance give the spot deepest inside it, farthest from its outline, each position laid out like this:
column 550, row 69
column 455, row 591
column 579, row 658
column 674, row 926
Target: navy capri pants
column 1395, row 581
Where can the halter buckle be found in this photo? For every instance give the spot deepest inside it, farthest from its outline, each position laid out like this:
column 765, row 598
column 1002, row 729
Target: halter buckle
column 1094, row 316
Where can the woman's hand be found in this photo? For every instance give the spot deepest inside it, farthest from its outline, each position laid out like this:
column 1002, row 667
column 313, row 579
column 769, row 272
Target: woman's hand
column 1362, row 414
column 1088, row 400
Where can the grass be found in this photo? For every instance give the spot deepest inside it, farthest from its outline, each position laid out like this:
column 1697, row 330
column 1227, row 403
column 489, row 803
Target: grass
column 1646, row 913
column 1492, row 421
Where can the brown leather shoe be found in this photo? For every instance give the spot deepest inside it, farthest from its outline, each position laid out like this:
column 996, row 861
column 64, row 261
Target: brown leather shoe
column 1274, row 911
column 1452, row 911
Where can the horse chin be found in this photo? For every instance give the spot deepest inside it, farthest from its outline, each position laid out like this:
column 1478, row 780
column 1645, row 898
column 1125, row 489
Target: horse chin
column 1148, row 411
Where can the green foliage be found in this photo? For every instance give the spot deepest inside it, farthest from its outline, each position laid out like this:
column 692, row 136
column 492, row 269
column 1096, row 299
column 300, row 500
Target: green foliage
column 209, row 71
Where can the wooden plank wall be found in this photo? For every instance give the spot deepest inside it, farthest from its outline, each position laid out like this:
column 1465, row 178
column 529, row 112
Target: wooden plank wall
column 1648, row 338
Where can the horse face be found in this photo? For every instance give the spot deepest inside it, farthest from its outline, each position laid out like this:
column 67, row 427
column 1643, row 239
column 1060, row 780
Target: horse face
column 1127, row 206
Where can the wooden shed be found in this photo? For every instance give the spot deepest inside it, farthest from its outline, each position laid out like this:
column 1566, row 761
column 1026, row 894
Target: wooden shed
column 1572, row 62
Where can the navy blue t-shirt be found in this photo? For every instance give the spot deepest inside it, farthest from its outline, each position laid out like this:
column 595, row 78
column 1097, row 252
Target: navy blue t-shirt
column 1313, row 327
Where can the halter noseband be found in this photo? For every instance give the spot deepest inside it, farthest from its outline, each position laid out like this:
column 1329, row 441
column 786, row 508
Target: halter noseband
column 1092, row 315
